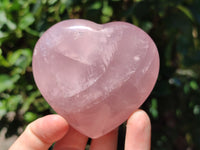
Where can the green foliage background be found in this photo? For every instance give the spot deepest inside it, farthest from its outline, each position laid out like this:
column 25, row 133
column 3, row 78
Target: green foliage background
column 174, row 25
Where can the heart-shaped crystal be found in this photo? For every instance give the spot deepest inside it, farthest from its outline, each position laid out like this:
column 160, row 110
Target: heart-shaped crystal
column 95, row 75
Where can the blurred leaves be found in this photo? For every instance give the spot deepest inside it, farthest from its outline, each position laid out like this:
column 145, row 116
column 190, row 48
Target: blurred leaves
column 30, row 116
column 26, row 21
column 174, row 104
column 7, row 82
column 154, row 108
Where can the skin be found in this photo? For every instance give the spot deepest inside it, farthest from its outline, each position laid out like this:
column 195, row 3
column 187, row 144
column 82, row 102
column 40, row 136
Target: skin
column 42, row 133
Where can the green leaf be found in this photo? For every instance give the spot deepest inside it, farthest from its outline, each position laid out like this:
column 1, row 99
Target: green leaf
column 147, row 26
column 196, row 110
column 51, row 2
column 26, row 21
column 33, row 32
column 3, row 35
column 186, row 11
column 30, row 100
column 30, row 116
column 3, row 108
column 186, row 88
column 13, row 102
column 107, row 10
column 41, row 104
column 153, row 108
column 194, row 85
column 3, row 17
column 96, row 5
column 5, row 20
column 11, row 25
column 20, row 58
column 7, row 82
column 105, row 19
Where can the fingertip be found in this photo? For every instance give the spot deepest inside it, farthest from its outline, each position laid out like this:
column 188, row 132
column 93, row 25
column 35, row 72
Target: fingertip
column 140, row 120
column 138, row 131
column 50, row 128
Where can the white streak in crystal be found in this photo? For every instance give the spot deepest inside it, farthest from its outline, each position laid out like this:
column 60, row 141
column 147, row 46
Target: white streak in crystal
column 73, row 56
column 145, row 69
column 80, row 27
column 107, row 31
column 130, row 73
column 35, row 51
column 144, row 44
column 65, row 91
column 111, row 45
column 137, row 58
column 108, row 56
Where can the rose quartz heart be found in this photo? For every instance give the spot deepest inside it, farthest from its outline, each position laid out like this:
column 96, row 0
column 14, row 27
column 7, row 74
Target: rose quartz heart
column 95, row 75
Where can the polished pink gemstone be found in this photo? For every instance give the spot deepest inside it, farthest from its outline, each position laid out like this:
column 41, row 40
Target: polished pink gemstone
column 95, row 75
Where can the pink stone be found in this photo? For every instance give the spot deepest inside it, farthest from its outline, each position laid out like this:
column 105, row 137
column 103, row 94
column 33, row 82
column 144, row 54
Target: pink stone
column 95, row 75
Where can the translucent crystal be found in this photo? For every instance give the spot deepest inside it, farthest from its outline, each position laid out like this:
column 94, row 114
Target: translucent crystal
column 95, row 75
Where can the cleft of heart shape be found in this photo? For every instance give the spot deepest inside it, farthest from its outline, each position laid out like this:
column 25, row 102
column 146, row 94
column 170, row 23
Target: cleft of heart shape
column 95, row 75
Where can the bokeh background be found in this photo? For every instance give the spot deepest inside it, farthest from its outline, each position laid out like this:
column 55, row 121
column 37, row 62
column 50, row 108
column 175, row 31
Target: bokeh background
column 174, row 25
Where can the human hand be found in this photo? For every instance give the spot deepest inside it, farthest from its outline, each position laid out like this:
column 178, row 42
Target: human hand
column 40, row 134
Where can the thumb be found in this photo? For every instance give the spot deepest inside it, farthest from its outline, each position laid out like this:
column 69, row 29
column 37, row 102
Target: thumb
column 42, row 133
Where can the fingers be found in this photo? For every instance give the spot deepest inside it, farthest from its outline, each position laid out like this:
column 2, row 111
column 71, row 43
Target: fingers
column 73, row 140
column 43, row 132
column 107, row 142
column 40, row 134
column 138, row 134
